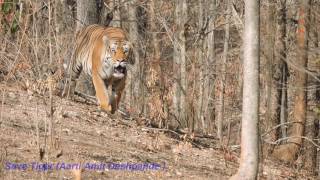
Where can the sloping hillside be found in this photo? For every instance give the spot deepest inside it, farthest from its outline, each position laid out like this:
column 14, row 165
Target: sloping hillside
column 103, row 147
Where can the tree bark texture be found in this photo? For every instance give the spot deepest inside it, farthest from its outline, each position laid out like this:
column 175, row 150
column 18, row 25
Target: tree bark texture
column 289, row 151
column 180, row 102
column 220, row 103
column 250, row 109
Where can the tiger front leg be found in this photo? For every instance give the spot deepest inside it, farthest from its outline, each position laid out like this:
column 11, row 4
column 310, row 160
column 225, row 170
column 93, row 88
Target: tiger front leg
column 114, row 101
column 117, row 90
column 117, row 100
column 101, row 93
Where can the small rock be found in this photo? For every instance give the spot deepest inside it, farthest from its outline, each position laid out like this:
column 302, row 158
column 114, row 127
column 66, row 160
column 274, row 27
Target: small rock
column 12, row 95
column 178, row 173
column 67, row 131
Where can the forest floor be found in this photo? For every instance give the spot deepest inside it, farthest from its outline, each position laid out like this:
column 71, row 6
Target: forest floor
column 85, row 136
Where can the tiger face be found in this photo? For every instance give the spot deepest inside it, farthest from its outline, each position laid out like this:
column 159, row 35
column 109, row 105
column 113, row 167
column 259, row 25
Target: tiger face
column 117, row 56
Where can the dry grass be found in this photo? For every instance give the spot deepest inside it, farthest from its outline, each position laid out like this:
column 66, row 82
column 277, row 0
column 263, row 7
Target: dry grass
column 85, row 135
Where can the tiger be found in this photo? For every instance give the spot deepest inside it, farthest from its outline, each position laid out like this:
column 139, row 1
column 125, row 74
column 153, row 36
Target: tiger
column 103, row 53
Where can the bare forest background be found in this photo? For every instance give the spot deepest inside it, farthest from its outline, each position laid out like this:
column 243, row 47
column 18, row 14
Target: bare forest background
column 188, row 71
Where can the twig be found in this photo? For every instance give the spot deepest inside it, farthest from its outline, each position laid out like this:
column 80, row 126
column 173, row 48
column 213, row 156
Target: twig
column 38, row 131
column 158, row 129
column 277, row 126
column 179, row 132
column 237, row 19
column 291, row 137
column 171, row 131
column 89, row 98
column 51, row 124
column 50, row 82
column 2, row 104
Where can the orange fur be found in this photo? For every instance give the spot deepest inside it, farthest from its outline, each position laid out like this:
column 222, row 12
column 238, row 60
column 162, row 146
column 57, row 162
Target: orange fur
column 103, row 53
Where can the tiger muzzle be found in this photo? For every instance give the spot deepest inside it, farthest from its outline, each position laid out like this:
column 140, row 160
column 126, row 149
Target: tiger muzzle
column 120, row 69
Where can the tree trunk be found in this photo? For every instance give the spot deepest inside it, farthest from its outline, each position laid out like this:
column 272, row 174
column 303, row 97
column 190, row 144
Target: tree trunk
column 199, row 82
column 310, row 154
column 63, row 23
column 183, row 65
column 220, row 104
column 116, row 4
column 180, row 103
column 318, row 152
column 250, row 110
column 176, row 68
column 270, row 89
column 203, row 69
column 278, row 75
column 86, row 15
column 312, row 118
column 63, row 20
column 289, row 151
column 154, row 81
column 317, row 91
column 284, row 100
column 209, row 105
column 136, row 81
column 281, row 65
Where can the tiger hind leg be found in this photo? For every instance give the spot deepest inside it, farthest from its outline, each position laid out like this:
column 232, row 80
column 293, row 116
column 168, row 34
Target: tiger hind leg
column 85, row 85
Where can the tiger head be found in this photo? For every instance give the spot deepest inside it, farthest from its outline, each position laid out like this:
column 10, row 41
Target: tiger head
column 119, row 51
column 118, row 55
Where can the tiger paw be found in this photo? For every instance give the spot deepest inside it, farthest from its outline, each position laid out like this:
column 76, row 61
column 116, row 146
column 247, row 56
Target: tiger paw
column 106, row 107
